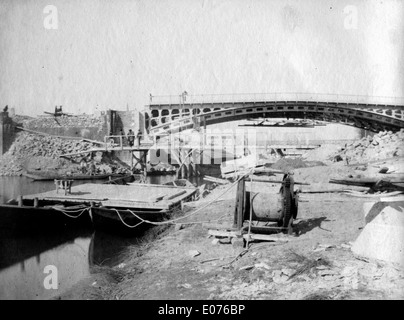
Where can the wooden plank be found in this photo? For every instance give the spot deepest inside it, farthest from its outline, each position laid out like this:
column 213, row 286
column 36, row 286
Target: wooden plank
column 222, row 233
column 390, row 198
column 362, row 195
column 144, row 185
column 266, row 237
column 238, row 217
column 216, row 180
column 274, row 181
column 176, row 195
column 219, row 226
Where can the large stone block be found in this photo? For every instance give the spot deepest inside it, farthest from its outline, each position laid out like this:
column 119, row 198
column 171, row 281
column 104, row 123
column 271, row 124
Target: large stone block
column 383, row 236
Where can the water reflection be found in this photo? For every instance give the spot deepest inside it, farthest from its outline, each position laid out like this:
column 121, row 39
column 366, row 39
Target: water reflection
column 22, row 268
column 73, row 251
column 25, row 280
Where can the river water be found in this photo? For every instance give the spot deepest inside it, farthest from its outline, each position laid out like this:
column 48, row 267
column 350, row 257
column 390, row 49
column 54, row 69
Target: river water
column 23, row 258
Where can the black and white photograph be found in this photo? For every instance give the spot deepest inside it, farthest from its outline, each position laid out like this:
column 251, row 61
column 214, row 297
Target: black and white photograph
column 201, row 154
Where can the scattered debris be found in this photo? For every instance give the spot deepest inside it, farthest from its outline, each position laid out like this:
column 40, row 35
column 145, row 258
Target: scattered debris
column 323, row 247
column 248, row 267
column 225, row 240
column 194, row 253
column 262, row 265
column 216, row 180
column 383, row 170
column 279, row 277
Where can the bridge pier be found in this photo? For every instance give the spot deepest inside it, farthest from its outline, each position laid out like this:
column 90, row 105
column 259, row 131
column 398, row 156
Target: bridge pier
column 187, row 168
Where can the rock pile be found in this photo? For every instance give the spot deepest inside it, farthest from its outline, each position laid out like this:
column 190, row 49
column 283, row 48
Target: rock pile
column 383, row 145
column 83, row 121
column 28, row 145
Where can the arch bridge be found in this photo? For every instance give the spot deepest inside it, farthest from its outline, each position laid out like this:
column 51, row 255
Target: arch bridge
column 168, row 114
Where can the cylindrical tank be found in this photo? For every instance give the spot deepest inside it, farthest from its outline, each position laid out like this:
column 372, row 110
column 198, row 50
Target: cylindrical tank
column 267, row 206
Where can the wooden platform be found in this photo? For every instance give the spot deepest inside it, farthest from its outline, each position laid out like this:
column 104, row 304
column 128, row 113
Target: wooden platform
column 142, row 148
column 145, row 196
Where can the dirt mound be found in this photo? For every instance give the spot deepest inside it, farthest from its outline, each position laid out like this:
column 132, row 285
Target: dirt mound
column 325, row 152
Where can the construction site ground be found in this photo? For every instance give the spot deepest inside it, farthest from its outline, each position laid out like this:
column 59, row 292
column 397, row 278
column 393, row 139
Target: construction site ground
column 315, row 263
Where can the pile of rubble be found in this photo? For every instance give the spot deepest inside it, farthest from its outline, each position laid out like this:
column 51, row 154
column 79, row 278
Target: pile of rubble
column 26, row 146
column 383, row 145
column 84, row 121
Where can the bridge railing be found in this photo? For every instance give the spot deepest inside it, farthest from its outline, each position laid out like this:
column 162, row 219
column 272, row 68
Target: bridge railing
column 185, row 99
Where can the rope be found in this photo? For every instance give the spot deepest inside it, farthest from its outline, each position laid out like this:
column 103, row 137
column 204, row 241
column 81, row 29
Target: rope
column 249, row 223
column 129, row 226
column 192, row 213
column 65, row 212
column 172, row 221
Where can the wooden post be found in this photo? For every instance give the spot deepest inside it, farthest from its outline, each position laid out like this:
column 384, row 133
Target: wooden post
column 20, row 200
column 35, row 202
column 240, row 204
column 191, row 170
column 144, row 165
column 184, row 171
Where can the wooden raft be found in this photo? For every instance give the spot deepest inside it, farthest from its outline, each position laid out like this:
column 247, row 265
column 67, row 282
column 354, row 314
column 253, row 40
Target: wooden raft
column 146, row 196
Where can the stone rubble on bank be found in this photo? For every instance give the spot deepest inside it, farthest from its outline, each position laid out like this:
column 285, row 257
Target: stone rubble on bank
column 383, row 145
column 82, row 121
column 27, row 146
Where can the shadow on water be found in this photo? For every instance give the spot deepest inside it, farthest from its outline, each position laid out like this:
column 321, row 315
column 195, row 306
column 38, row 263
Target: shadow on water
column 74, row 252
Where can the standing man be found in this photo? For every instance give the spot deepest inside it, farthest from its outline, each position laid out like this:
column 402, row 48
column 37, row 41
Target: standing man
column 92, row 168
column 123, row 136
column 139, row 136
column 83, row 166
column 131, row 137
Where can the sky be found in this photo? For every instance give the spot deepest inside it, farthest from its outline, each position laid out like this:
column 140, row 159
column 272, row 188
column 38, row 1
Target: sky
column 112, row 55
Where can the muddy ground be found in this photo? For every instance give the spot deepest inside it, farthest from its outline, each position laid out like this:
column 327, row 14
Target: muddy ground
column 315, row 263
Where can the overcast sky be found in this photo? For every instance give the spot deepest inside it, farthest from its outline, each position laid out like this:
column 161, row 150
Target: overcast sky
column 112, row 54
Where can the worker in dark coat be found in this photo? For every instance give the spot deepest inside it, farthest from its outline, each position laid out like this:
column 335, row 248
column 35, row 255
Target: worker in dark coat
column 131, row 137
column 83, row 166
column 139, row 136
column 122, row 134
column 92, row 168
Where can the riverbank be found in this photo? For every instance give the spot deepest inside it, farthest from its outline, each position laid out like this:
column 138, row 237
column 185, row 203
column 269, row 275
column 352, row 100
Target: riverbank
column 184, row 262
